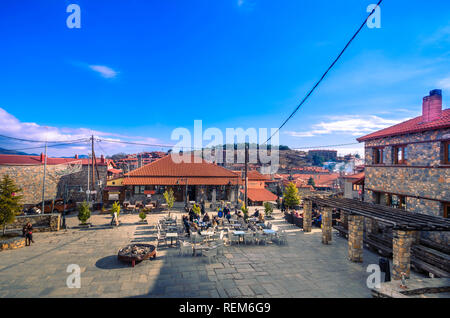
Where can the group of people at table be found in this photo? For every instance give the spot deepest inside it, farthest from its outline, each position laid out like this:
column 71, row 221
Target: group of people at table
column 202, row 221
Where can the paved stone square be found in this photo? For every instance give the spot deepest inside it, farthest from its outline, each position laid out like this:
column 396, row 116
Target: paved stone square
column 303, row 268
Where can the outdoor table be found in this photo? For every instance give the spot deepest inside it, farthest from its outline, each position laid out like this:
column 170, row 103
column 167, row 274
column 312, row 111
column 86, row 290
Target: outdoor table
column 172, row 236
column 172, row 228
column 207, row 233
column 269, row 232
column 239, row 233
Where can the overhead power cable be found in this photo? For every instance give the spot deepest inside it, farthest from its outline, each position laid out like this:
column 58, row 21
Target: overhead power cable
column 41, row 141
column 53, row 145
column 327, row 146
column 324, row 74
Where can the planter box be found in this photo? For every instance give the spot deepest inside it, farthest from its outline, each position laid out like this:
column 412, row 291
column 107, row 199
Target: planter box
column 289, row 218
column 84, row 226
column 298, row 221
column 143, row 222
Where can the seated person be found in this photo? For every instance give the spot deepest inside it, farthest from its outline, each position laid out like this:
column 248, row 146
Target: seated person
column 318, row 220
column 206, row 218
column 256, row 214
column 261, row 218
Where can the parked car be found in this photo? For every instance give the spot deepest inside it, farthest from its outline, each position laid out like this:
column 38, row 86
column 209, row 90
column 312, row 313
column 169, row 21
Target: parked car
column 57, row 206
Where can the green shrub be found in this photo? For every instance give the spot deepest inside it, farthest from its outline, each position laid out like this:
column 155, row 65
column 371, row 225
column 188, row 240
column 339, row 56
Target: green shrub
column 9, row 201
column 115, row 208
column 268, row 209
column 84, row 212
column 142, row 215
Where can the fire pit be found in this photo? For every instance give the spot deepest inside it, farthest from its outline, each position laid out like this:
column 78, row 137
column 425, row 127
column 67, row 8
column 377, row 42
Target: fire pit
column 136, row 252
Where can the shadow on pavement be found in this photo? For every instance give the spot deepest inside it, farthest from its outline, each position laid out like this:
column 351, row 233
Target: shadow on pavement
column 110, row 262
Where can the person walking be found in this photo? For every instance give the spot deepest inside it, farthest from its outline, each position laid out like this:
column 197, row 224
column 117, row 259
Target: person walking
column 28, row 230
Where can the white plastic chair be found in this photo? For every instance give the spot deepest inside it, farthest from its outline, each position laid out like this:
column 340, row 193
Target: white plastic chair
column 261, row 238
column 233, row 238
column 210, row 253
column 248, row 238
column 186, row 248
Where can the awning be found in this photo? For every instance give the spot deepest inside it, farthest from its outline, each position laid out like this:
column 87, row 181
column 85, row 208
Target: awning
column 112, row 189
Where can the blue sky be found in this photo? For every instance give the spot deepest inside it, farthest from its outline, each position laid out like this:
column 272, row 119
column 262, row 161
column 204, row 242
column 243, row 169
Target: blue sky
column 138, row 69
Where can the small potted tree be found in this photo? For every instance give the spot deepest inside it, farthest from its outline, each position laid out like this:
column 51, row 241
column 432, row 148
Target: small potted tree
column 143, row 217
column 291, row 199
column 84, row 213
column 268, row 210
column 244, row 210
column 115, row 210
column 170, row 199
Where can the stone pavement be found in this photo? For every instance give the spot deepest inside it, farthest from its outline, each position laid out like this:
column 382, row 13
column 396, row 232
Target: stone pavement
column 303, row 268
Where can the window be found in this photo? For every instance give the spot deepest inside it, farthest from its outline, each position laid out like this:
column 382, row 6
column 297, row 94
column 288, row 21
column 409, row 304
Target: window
column 401, row 155
column 139, row 189
column 446, row 145
column 446, row 210
column 377, row 155
column 397, row 201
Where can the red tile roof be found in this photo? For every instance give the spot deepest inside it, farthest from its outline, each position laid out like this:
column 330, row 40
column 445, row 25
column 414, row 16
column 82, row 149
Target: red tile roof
column 320, row 180
column 165, row 171
column 166, row 167
column 260, row 195
column 355, row 178
column 411, row 126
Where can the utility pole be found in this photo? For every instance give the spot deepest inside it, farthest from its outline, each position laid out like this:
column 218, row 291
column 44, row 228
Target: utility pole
column 246, row 175
column 45, row 172
column 88, row 175
column 93, row 158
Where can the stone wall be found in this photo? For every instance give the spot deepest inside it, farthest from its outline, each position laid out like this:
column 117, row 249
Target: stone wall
column 41, row 223
column 30, row 179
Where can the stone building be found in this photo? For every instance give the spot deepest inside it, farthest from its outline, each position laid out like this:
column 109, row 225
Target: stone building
column 407, row 165
column 63, row 176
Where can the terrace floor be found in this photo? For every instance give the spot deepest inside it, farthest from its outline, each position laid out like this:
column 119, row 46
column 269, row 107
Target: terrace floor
column 303, row 268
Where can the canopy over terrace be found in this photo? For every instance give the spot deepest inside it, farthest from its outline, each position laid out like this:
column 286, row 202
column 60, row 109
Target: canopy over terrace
column 405, row 226
column 397, row 219
column 195, row 179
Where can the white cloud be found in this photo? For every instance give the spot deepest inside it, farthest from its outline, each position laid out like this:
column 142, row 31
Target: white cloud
column 13, row 127
column 444, row 83
column 354, row 125
column 104, row 71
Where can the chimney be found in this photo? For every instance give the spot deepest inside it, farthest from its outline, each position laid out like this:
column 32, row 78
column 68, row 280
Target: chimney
column 76, row 156
column 432, row 106
column 42, row 158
